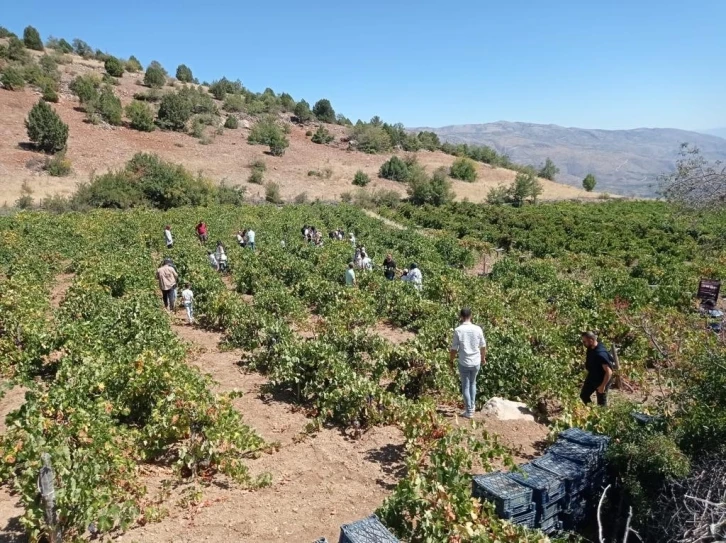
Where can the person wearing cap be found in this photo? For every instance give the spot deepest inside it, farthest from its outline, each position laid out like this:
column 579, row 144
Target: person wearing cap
column 470, row 345
column 414, row 276
column 167, row 277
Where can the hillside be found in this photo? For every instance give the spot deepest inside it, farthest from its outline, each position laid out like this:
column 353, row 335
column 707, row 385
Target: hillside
column 625, row 162
column 97, row 148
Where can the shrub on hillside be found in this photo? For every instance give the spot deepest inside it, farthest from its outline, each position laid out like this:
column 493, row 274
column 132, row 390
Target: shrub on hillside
column 322, row 136
column 302, row 112
column 287, row 103
column 361, row 179
column 146, row 181
column 272, row 193
column 549, row 170
column 109, row 106
column 50, row 94
column 525, row 187
column 264, row 131
column 370, row 139
column 589, row 182
column 82, row 48
column 463, row 169
column 151, row 95
column 394, row 169
column 61, row 45
column 12, row 79
column 498, row 195
column 133, row 65
column 234, row 103
column 429, row 140
column 46, row 129
column 114, row 67
column 435, row 191
column 154, row 77
column 140, row 116
column 58, row 166
column 324, row 111
column 174, row 112
column 231, row 122
column 31, row 39
column 184, row 74
column 278, row 144
column 5, row 33
column 85, row 87
column 220, row 88
column 200, row 101
column 17, row 51
column 256, row 177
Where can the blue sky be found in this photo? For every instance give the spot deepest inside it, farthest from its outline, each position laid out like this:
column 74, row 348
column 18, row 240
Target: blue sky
column 593, row 64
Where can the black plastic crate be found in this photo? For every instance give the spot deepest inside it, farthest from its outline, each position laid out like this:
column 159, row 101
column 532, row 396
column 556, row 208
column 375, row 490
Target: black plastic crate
column 588, row 439
column 572, row 473
column 367, row 530
column 574, row 452
column 546, row 487
column 519, row 511
column 548, row 511
column 509, row 497
column 551, row 525
column 321, row 540
column 528, row 520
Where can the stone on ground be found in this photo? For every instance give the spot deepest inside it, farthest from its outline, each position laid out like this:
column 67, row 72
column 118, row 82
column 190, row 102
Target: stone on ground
column 503, row 409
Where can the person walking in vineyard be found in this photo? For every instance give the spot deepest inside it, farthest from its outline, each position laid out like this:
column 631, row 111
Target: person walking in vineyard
column 389, row 267
column 470, row 346
column 167, row 277
column 167, row 237
column 212, row 260
column 188, row 301
column 599, row 366
column 413, row 275
column 350, row 276
column 202, row 231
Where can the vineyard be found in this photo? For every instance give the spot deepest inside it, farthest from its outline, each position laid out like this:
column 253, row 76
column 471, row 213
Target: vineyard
column 110, row 386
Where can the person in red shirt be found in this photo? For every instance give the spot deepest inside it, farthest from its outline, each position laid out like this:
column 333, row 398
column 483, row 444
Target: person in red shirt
column 202, row 231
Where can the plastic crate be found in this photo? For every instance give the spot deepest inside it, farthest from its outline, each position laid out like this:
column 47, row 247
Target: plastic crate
column 551, row 525
column 548, row 511
column 574, row 452
column 528, row 520
column 546, row 487
column 321, row 540
column 588, row 439
column 367, row 530
column 572, row 473
column 509, row 497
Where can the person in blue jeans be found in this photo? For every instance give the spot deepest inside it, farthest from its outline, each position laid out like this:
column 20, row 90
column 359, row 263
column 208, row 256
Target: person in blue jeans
column 470, row 346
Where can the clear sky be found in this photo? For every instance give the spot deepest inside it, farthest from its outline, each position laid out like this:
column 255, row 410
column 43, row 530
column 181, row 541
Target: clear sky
column 586, row 63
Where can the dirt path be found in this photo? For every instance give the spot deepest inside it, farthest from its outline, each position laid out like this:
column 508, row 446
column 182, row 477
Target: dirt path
column 318, row 483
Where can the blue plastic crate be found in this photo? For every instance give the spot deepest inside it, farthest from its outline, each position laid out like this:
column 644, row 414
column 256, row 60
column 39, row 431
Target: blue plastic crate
column 572, row 473
column 574, row 452
column 588, row 439
column 546, row 487
column 509, row 497
column 519, row 511
column 367, row 530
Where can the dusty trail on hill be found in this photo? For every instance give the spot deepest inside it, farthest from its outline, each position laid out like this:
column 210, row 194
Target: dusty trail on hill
column 318, row 483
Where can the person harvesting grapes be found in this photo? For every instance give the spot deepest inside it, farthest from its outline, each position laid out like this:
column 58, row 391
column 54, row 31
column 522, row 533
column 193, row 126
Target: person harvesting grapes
column 599, row 366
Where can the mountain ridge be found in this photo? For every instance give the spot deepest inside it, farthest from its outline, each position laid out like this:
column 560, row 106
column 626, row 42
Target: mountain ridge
column 627, row 161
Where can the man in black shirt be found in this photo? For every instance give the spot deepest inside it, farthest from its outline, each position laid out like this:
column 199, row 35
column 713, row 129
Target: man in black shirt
column 599, row 370
column 389, row 267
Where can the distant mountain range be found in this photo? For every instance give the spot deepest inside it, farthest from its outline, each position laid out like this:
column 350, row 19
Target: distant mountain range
column 626, row 162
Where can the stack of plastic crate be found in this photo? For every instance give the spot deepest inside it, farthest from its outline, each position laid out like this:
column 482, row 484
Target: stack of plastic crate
column 511, row 500
column 548, row 494
column 367, row 530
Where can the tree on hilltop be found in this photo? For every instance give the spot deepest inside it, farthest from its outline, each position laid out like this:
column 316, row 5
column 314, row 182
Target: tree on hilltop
column 589, row 182
column 549, row 170
column 302, row 112
column 324, row 111
column 184, row 74
column 31, row 38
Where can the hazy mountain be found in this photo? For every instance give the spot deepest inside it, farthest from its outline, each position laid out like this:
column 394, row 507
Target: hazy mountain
column 720, row 132
column 623, row 161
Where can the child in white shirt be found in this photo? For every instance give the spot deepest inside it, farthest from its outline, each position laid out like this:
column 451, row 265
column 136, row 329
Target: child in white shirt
column 188, row 300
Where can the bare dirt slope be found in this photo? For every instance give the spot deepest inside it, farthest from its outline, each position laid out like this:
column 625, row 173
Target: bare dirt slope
column 97, row 148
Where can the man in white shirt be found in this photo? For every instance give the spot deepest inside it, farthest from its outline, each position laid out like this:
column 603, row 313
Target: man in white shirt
column 167, row 277
column 167, row 237
column 414, row 276
column 251, row 238
column 366, row 263
column 471, row 347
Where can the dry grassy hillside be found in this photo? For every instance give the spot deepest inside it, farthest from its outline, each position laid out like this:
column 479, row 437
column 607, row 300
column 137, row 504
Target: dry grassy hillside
column 97, row 148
